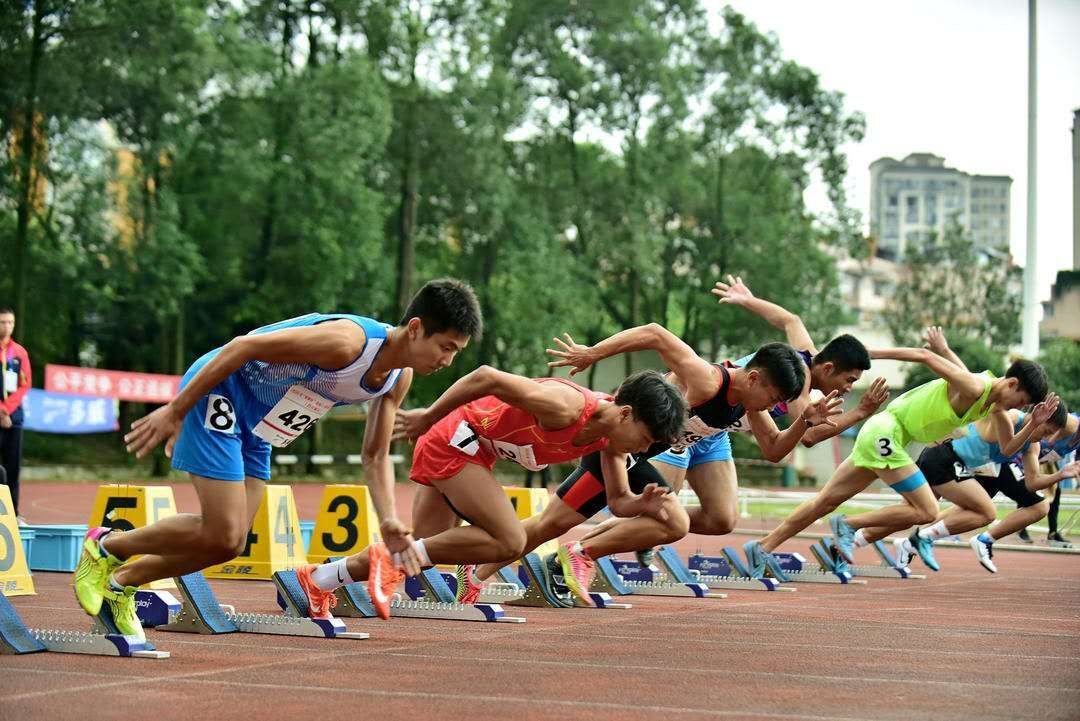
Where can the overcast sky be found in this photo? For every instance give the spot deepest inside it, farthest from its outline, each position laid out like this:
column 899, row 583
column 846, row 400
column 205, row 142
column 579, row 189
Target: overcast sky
column 947, row 77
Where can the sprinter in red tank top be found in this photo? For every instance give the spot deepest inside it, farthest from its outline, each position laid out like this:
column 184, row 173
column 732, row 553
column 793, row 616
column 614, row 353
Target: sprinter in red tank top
column 488, row 415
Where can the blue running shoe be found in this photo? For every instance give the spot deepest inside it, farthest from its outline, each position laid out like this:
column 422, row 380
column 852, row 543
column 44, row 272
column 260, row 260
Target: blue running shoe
column 844, row 536
column 925, row 548
column 755, row 559
column 758, row 560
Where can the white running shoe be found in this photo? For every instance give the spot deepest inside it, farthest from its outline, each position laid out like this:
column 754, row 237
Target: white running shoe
column 984, row 552
column 903, row 552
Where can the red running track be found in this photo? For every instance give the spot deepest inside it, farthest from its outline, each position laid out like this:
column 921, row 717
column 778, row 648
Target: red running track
column 962, row 644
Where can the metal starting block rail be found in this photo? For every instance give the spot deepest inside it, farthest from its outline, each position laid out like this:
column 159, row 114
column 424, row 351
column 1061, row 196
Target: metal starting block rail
column 629, row 577
column 104, row 640
column 200, row 612
column 437, row 603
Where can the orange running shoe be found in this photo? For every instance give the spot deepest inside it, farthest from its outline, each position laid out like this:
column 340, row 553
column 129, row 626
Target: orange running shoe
column 468, row 588
column 383, row 578
column 319, row 601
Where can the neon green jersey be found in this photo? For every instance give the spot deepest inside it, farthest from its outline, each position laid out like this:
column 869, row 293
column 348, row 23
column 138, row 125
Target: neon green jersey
column 926, row 415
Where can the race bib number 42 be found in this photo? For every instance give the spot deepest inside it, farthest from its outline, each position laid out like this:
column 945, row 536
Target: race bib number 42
column 294, row 413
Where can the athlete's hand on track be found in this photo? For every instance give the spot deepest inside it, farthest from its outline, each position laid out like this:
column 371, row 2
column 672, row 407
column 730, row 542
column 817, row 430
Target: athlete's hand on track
column 401, row 544
column 146, row 433
column 652, row 501
column 823, row 409
column 875, row 395
column 1042, row 412
column 410, row 424
column 577, row 356
column 1072, row 470
column 934, row 339
column 734, row 291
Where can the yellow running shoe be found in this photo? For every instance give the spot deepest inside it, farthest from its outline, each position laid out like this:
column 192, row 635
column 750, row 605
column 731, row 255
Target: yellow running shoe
column 121, row 605
column 91, row 580
column 577, row 572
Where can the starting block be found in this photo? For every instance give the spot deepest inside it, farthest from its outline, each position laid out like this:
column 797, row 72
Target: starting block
column 538, row 590
column 104, row 640
column 828, row 571
column 713, row 571
column 437, row 602
column 826, row 552
column 623, row 577
column 200, row 612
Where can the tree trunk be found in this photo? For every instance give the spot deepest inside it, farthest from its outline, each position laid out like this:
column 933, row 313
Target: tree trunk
column 410, row 181
column 26, row 160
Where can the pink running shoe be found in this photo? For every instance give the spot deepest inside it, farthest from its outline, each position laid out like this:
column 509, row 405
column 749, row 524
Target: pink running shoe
column 577, row 572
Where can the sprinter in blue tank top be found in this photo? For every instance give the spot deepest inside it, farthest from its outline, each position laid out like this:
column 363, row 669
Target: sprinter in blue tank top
column 263, row 390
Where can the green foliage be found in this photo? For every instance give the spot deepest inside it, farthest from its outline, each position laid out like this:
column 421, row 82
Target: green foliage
column 975, row 353
column 1061, row 359
column 952, row 284
column 214, row 166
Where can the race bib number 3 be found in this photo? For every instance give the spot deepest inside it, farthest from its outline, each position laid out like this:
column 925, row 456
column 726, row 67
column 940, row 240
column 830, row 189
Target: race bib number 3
column 220, row 414
column 294, row 413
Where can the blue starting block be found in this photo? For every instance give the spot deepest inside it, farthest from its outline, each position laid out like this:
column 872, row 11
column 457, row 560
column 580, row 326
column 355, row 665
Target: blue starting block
column 200, row 612
column 713, row 571
column 105, row 640
column 435, row 600
column 538, row 593
column 610, row 578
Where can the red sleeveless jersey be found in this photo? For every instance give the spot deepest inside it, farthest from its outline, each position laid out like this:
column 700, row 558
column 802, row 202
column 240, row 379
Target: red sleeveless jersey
column 487, row 429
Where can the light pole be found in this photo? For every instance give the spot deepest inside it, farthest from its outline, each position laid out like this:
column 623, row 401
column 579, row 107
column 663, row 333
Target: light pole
column 1030, row 315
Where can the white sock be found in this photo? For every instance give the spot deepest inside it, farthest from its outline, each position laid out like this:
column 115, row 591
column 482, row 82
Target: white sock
column 860, row 539
column 934, row 532
column 330, row 576
column 421, row 552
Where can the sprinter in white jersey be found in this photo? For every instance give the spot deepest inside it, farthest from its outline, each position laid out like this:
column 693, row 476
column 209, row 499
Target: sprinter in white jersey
column 262, row 390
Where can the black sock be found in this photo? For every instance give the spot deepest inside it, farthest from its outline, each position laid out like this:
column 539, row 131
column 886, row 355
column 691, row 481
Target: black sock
column 1052, row 516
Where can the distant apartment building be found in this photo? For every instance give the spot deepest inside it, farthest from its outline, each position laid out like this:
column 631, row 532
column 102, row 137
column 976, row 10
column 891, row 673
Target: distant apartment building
column 912, row 200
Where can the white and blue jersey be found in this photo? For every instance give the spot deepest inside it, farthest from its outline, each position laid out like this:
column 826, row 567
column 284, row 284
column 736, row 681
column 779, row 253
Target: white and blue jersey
column 227, row 435
column 715, row 445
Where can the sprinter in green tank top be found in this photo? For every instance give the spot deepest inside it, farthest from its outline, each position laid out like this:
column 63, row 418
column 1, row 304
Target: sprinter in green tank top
column 924, row 414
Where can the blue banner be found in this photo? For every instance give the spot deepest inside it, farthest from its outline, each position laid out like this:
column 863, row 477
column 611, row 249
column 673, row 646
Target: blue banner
column 66, row 413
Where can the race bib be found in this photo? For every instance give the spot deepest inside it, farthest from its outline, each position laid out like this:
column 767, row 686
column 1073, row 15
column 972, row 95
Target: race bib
column 961, row 471
column 1017, row 471
column 466, row 439
column 11, row 381
column 695, row 430
column 220, row 414
column 521, row 455
column 297, row 411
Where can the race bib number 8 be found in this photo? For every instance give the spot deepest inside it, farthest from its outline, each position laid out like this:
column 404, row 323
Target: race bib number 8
column 220, row 414
column 297, row 411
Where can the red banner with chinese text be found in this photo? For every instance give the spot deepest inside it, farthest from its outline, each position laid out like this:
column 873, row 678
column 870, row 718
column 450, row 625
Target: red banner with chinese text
column 144, row 387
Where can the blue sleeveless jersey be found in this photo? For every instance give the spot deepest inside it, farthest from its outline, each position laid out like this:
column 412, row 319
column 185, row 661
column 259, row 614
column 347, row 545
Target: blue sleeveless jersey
column 975, row 452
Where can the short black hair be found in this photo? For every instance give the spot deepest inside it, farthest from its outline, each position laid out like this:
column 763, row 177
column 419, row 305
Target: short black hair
column 5, row 309
column 846, row 353
column 655, row 402
column 783, row 368
column 1032, row 379
column 1060, row 415
column 446, row 304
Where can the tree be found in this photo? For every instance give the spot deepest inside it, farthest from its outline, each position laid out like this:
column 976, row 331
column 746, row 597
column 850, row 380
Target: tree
column 1061, row 359
column 951, row 283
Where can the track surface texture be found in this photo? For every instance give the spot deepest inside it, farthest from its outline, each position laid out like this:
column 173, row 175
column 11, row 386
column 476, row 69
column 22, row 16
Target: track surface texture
column 962, row 644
